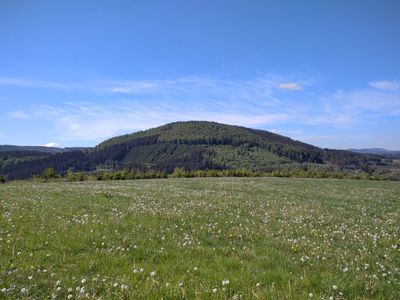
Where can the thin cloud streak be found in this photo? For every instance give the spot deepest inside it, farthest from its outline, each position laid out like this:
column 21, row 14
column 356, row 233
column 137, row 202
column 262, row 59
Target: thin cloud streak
column 18, row 115
column 291, row 86
column 203, row 88
column 29, row 83
column 386, row 85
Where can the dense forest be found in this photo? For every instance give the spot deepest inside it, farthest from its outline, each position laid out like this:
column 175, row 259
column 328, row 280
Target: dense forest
column 194, row 145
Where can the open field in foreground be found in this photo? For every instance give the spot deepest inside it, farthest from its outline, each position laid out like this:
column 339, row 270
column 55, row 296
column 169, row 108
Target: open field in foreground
column 224, row 238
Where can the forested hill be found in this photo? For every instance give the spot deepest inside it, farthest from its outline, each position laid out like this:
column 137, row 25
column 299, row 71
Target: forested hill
column 202, row 145
column 193, row 145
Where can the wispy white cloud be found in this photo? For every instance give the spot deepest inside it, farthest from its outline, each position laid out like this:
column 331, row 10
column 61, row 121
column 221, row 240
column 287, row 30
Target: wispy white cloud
column 46, row 111
column 20, row 82
column 386, row 85
column 132, row 86
column 349, row 140
column 18, row 114
column 346, row 108
column 193, row 88
column 372, row 101
column 291, row 86
column 131, row 105
column 105, row 121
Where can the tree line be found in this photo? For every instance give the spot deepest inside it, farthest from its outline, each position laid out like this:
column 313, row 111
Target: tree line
column 50, row 174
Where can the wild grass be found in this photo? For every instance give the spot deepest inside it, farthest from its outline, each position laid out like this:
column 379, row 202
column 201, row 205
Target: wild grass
column 200, row 238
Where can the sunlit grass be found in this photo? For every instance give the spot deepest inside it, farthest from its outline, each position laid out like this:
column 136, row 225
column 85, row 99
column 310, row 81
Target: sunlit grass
column 224, row 238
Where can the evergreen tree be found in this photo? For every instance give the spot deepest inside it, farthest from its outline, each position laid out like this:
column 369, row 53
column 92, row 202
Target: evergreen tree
column 50, row 173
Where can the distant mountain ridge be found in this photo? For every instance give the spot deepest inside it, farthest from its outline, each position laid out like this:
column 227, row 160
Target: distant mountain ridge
column 44, row 149
column 192, row 145
column 378, row 151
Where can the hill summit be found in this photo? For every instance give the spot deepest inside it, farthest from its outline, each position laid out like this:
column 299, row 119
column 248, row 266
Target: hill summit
column 210, row 145
column 192, row 145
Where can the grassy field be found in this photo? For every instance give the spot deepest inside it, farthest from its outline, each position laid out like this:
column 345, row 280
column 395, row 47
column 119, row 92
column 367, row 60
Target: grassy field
column 222, row 238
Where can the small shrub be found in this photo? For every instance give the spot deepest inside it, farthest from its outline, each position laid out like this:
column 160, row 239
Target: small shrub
column 50, row 173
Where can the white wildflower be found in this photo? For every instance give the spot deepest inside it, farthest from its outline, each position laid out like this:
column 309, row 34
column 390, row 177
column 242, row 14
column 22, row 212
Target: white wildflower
column 225, row 282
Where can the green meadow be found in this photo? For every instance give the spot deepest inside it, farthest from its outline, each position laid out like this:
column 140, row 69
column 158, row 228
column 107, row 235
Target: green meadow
column 200, row 238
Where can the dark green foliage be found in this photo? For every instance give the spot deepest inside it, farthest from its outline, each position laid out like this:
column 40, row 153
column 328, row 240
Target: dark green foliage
column 287, row 170
column 28, row 164
column 180, row 172
column 79, row 176
column 192, row 146
column 2, row 179
column 124, row 174
column 50, row 173
column 71, row 176
column 198, row 135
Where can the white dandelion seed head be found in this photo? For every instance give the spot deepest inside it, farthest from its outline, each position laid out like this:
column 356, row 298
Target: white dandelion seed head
column 225, row 282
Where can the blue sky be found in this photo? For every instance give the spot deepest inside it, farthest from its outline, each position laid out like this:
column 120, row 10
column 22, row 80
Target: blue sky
column 78, row 72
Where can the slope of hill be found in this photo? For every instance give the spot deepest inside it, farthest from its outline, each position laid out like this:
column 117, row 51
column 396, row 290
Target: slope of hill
column 199, row 145
column 191, row 145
